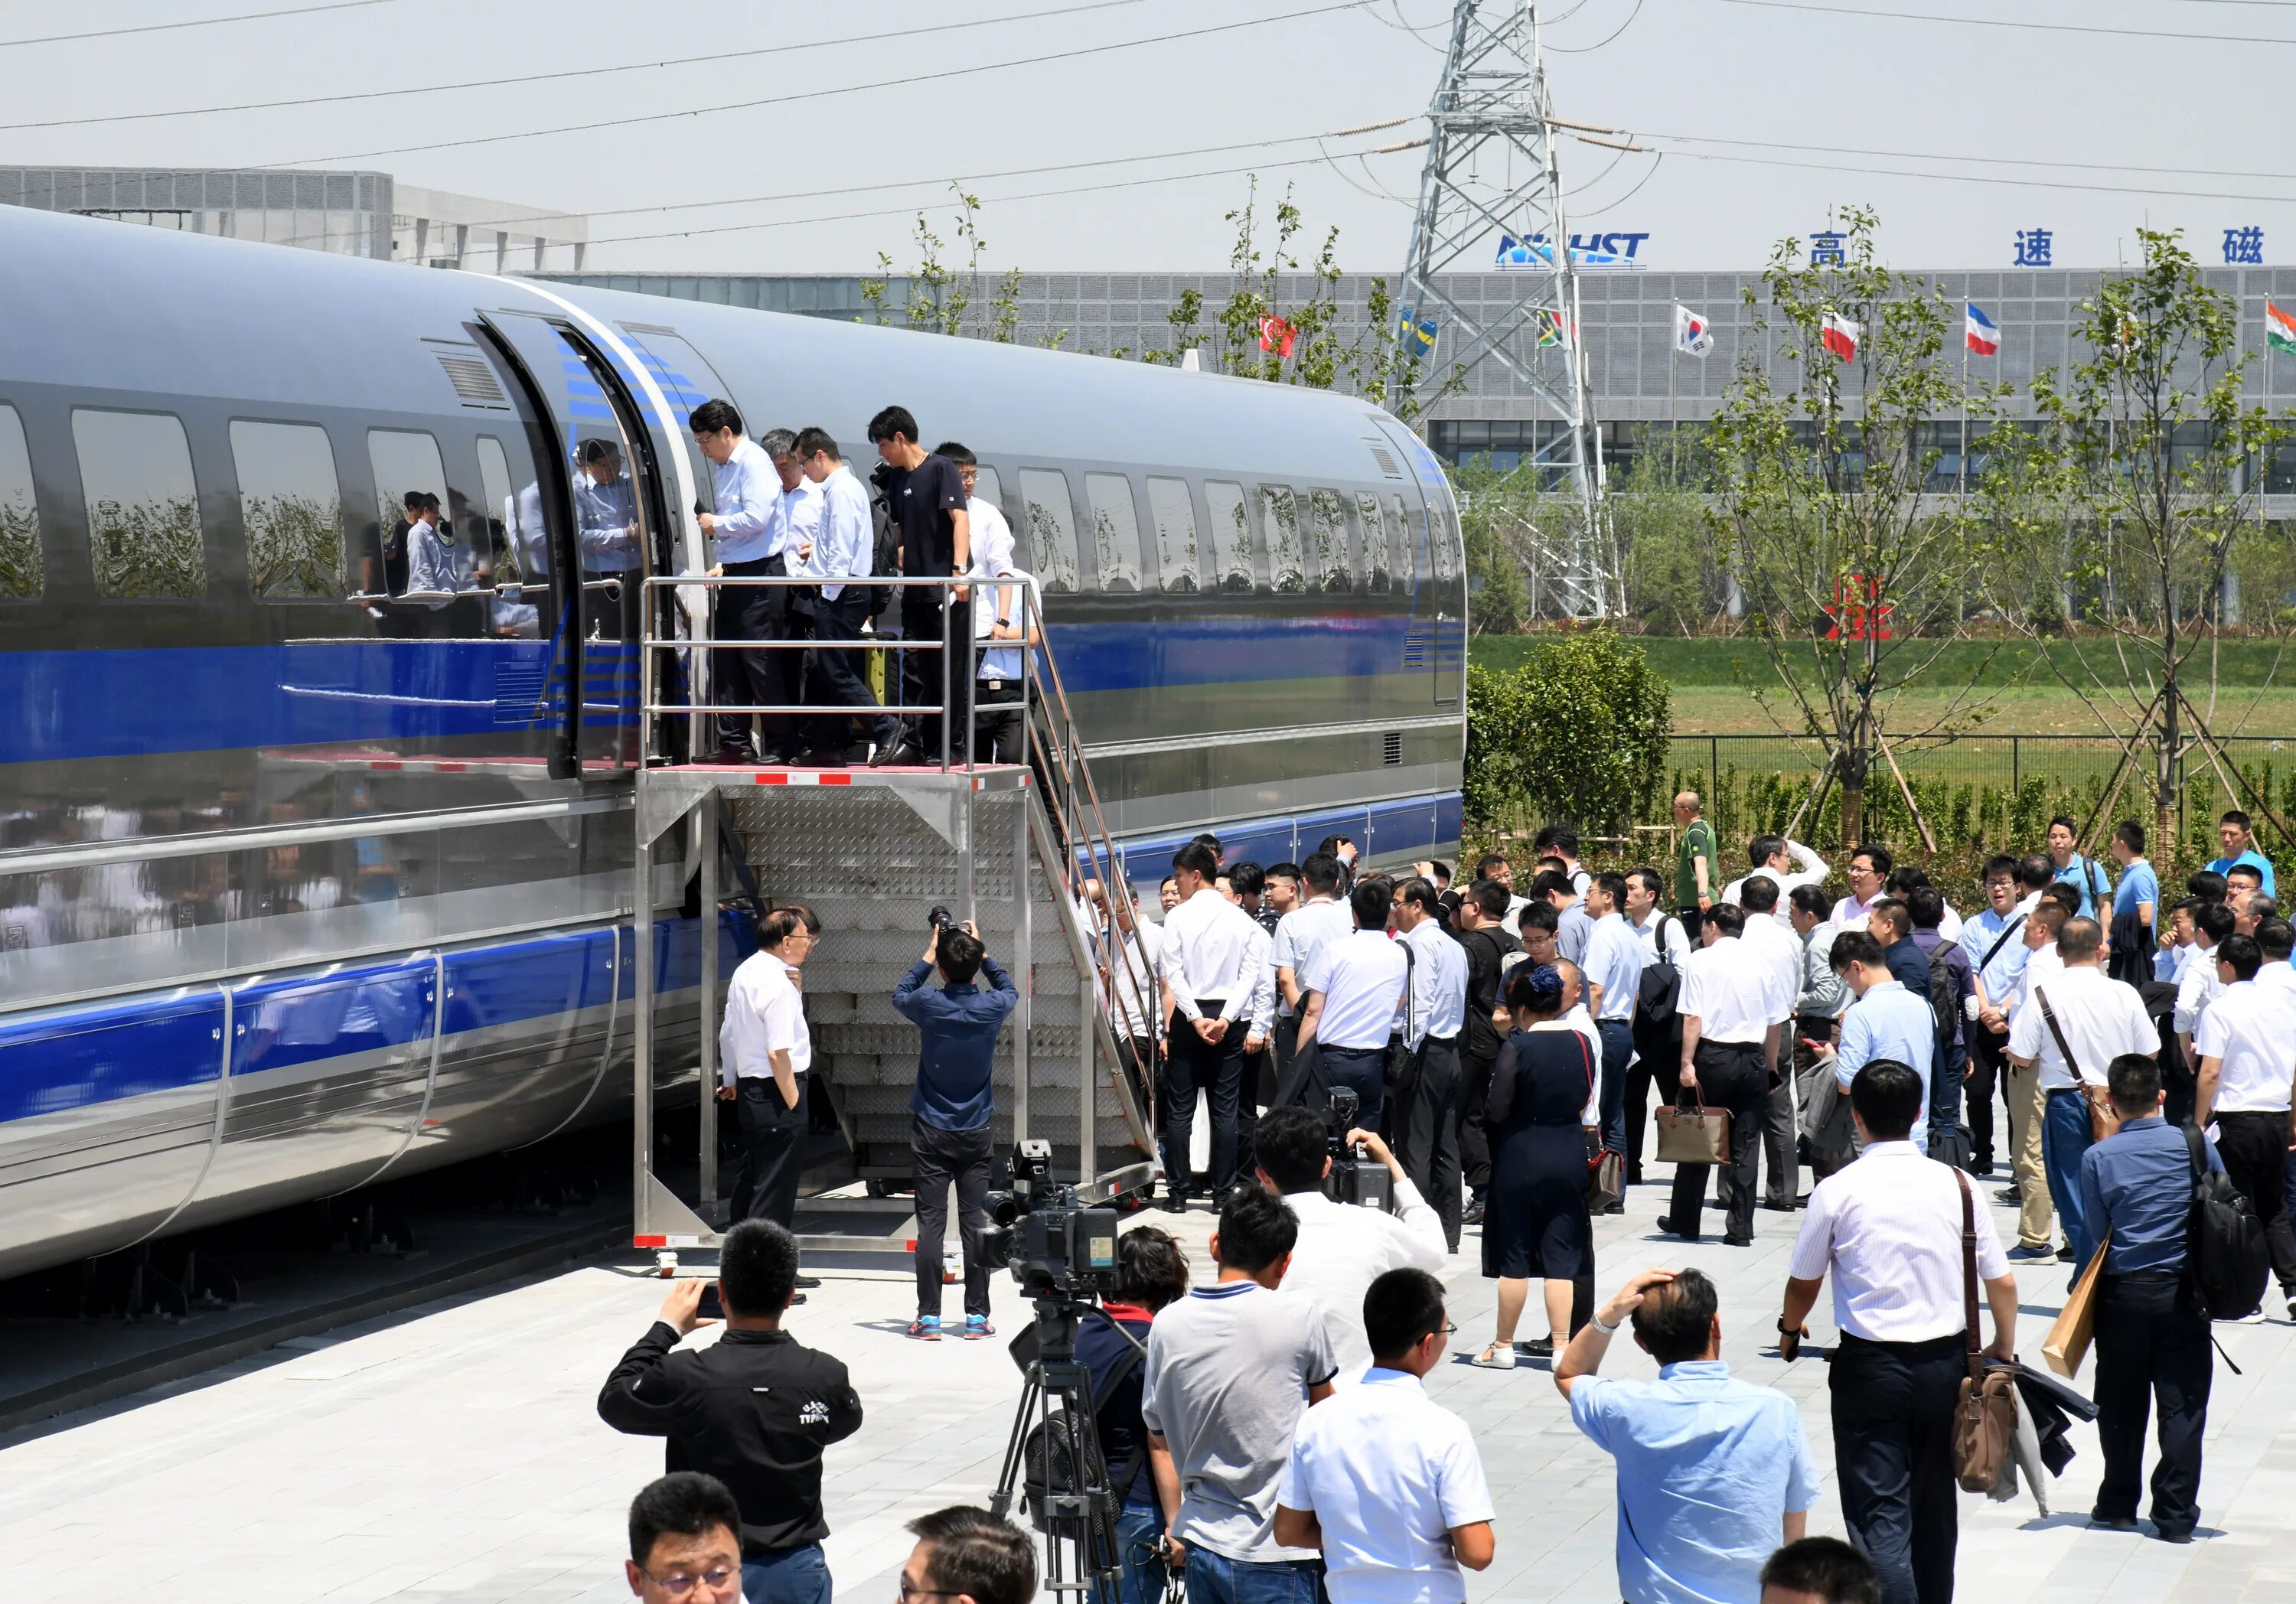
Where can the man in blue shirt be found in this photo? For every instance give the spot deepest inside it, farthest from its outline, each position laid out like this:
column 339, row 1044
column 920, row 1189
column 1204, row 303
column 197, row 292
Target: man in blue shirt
column 843, row 553
column 1886, row 1021
column 2151, row 1336
column 1714, row 1473
column 2136, row 906
column 1994, row 944
column 2084, row 874
column 746, row 489
column 2238, row 839
column 949, row 1137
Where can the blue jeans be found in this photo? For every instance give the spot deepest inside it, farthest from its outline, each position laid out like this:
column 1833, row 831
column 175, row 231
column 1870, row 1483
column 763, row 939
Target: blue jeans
column 1618, row 1046
column 1216, row 1579
column 1140, row 1542
column 2065, row 1136
column 798, row 1576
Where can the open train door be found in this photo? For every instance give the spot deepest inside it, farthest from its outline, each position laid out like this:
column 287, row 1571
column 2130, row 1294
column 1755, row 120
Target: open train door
column 1435, row 643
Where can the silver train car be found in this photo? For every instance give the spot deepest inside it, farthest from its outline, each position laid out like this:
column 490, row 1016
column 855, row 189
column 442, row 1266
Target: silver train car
column 303, row 884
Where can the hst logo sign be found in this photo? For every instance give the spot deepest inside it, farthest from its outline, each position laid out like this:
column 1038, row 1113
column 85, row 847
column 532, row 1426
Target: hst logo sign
column 1614, row 252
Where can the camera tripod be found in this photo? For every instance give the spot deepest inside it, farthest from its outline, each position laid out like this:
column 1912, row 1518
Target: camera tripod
column 1054, row 1458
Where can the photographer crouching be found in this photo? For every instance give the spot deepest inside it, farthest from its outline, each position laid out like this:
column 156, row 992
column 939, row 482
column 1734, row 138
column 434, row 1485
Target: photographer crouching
column 953, row 1105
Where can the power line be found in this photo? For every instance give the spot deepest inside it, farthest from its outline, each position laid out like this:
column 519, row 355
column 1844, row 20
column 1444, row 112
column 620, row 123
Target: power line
column 151, row 28
column 2055, row 184
column 2078, row 28
column 712, row 57
column 2093, row 166
column 1586, row 49
column 906, row 81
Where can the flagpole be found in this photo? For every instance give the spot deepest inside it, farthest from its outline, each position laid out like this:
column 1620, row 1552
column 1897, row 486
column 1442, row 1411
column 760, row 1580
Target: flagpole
column 1673, row 428
column 1965, row 305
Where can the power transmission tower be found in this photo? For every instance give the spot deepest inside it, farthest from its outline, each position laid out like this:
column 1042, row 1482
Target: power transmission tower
column 1492, row 172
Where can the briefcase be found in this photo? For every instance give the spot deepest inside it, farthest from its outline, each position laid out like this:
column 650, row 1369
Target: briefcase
column 1690, row 1134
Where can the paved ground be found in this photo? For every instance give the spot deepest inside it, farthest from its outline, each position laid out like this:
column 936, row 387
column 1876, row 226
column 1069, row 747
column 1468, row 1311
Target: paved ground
column 453, row 1454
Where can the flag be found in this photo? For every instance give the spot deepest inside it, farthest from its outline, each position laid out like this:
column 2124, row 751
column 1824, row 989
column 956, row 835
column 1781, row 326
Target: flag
column 1550, row 328
column 1276, row 335
column 2279, row 329
column 1983, row 337
column 1840, row 336
column 1419, row 334
column 1692, row 332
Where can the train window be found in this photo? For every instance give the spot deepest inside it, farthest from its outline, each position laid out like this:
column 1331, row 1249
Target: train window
column 1280, row 512
column 1231, row 535
column 1398, row 539
column 1115, row 530
column 1375, row 544
column 1052, row 528
column 142, row 505
column 292, row 507
column 21, row 574
column 1170, row 505
column 1443, row 537
column 1327, row 517
column 500, row 513
column 407, row 461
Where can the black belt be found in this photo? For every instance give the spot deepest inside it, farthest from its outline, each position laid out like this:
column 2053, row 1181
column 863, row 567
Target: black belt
column 775, row 564
column 1929, row 1347
column 2144, row 1277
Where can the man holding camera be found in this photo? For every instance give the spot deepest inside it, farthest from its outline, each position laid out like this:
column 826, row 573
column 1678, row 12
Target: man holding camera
column 1342, row 1248
column 949, row 1135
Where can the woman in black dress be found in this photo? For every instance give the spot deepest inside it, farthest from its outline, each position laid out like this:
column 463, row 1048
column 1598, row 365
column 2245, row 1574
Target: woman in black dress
column 1542, row 1100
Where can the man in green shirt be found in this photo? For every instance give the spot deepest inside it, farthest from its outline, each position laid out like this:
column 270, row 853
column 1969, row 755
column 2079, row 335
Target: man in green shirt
column 1697, row 856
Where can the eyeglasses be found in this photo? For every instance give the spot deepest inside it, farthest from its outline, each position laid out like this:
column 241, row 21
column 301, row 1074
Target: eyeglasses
column 909, row 1592
column 678, row 1586
column 1445, row 1330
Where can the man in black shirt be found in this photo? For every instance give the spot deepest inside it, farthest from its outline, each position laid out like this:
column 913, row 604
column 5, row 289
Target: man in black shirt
column 1488, row 945
column 927, row 499
column 755, row 1410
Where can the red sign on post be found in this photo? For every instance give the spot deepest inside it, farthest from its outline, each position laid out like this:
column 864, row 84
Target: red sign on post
column 1858, row 613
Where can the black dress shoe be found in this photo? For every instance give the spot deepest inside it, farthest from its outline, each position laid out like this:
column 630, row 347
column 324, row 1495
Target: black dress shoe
column 734, row 757
column 808, row 1280
column 1737, row 1241
column 1668, row 1226
column 901, row 754
column 1542, row 1348
column 1616, row 1205
column 796, row 1298
column 2176, row 1537
column 1475, row 1214
column 1172, row 1205
column 1777, row 1208
column 2106, row 1523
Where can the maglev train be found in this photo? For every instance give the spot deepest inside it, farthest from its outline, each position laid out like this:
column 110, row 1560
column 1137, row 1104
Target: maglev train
column 306, row 881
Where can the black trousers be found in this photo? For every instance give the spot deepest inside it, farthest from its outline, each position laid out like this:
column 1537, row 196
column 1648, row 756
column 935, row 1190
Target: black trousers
column 1475, row 1135
column 1429, row 1126
column 755, row 678
column 923, row 618
column 2254, row 1147
column 1733, row 1075
column 1361, row 1069
column 834, row 675
column 1987, row 1053
column 1639, row 1082
column 2152, row 1351
column 1893, row 1406
column 773, row 1151
column 1214, row 1069
column 998, row 736
column 939, row 1156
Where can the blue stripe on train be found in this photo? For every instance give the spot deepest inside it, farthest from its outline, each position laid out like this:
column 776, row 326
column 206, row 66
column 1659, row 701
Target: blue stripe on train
column 102, row 703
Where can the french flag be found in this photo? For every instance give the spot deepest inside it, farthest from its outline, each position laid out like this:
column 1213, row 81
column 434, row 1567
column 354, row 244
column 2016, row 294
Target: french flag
column 1983, row 337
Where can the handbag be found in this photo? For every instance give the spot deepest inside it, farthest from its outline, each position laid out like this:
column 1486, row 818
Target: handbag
column 2103, row 1119
column 2076, row 1323
column 1985, row 1419
column 1691, row 1134
column 1606, row 1175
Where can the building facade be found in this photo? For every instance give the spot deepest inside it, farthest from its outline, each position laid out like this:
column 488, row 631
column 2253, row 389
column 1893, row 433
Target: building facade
column 349, row 213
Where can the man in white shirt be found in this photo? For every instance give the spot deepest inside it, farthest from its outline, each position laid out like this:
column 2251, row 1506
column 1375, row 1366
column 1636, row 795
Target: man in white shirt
column 1494, row 866
column 1382, row 1480
column 1299, row 935
column 1342, row 1248
column 2198, row 985
column 1130, row 985
column 1770, row 855
column 837, row 548
column 2247, row 1046
column 1889, row 1228
column 765, row 1051
column 746, row 490
column 1355, row 989
column 2099, row 1019
column 1869, row 872
column 431, row 573
column 1611, row 959
column 1665, row 938
column 1427, row 1123
column 1000, row 612
column 1777, row 943
column 1732, row 999
column 1211, row 971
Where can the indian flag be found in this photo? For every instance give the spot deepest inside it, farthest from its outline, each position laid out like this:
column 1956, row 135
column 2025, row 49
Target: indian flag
column 2279, row 329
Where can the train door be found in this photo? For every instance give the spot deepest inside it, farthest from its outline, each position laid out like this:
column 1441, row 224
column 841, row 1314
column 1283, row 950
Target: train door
column 1435, row 642
column 601, row 479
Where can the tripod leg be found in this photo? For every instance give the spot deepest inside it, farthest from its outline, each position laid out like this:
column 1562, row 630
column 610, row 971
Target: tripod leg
column 1008, row 1479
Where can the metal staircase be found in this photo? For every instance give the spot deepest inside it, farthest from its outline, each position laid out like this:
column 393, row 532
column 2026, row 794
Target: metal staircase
column 1022, row 850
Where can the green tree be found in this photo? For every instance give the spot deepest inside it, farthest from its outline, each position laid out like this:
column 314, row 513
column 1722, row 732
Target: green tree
column 2139, row 487
column 1820, row 505
column 1578, row 733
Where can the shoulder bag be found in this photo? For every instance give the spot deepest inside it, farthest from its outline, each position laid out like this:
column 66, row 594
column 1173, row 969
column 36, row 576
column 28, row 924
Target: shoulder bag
column 1606, row 1171
column 2102, row 1119
column 1688, row 1133
column 1985, row 1419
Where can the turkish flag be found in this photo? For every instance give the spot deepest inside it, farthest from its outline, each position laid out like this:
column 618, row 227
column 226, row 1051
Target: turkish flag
column 1276, row 335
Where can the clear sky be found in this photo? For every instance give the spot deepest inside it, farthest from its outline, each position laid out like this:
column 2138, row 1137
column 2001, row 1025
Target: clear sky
column 1817, row 82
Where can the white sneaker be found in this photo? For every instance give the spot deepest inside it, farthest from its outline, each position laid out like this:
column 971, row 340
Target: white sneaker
column 2253, row 1317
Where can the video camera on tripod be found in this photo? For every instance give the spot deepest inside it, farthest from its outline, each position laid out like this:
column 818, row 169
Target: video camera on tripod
column 1056, row 1247
column 1355, row 1176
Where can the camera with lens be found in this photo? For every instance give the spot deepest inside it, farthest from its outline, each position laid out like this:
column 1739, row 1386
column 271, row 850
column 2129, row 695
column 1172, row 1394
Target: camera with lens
column 941, row 919
column 1054, row 1246
column 1356, row 1177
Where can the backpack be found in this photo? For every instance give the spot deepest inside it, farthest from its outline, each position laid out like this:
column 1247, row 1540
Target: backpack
column 1657, row 1019
column 2226, row 1262
column 1945, row 995
column 1060, row 1457
column 885, row 552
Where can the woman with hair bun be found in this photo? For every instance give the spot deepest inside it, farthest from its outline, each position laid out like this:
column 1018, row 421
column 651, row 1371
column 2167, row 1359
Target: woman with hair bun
column 1542, row 1107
